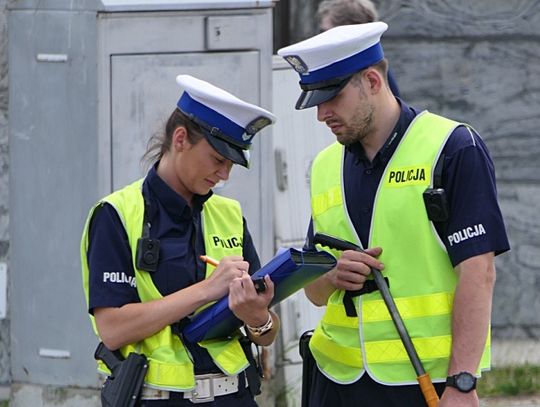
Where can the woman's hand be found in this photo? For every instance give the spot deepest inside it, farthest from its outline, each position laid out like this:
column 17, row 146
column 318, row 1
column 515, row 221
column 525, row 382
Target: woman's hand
column 228, row 269
column 246, row 303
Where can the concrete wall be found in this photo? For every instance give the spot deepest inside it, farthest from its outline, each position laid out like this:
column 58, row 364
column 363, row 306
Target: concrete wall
column 479, row 62
column 4, row 185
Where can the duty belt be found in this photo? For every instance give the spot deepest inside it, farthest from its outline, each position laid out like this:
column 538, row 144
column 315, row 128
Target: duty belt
column 207, row 387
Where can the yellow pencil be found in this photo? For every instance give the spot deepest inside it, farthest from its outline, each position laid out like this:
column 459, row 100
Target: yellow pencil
column 209, row 260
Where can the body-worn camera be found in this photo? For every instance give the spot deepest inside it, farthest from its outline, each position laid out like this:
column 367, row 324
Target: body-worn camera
column 436, row 204
column 147, row 254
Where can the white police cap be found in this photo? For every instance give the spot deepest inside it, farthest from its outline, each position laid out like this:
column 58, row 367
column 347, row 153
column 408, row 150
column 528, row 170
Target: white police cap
column 228, row 123
column 328, row 60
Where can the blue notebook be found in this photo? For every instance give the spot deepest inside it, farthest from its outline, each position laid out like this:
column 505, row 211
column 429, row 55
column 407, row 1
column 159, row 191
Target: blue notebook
column 290, row 270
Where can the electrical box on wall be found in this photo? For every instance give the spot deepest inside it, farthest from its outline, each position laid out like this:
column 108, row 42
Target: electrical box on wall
column 90, row 82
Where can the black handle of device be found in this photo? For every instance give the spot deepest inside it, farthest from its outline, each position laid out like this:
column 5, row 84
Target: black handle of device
column 339, row 244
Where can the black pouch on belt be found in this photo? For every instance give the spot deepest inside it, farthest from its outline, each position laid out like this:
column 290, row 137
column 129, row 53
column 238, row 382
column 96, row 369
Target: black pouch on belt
column 308, row 364
column 254, row 371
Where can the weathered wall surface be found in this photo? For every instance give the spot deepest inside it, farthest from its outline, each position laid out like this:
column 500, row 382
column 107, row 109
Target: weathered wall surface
column 4, row 184
column 478, row 62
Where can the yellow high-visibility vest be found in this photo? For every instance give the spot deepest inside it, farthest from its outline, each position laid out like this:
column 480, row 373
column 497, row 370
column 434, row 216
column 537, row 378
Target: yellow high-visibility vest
column 422, row 279
column 170, row 366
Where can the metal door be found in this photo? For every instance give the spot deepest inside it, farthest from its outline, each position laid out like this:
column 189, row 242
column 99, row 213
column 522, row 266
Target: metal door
column 144, row 94
column 298, row 137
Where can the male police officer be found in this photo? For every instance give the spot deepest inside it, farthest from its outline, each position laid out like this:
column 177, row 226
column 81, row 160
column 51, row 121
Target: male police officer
column 432, row 229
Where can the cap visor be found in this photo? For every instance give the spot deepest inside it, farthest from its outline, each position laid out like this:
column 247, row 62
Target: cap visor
column 233, row 153
column 310, row 98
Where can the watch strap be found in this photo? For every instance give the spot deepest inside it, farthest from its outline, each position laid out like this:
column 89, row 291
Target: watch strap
column 263, row 329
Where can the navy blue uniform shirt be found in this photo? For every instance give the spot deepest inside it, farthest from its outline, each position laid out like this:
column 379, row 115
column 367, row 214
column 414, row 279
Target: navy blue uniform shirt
column 393, row 84
column 178, row 228
column 468, row 178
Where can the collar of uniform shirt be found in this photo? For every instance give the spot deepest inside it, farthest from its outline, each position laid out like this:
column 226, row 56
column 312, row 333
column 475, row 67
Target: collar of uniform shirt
column 405, row 118
column 171, row 201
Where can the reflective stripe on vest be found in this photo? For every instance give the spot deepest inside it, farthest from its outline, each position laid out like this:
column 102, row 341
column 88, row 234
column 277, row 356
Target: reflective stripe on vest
column 400, row 226
column 170, row 366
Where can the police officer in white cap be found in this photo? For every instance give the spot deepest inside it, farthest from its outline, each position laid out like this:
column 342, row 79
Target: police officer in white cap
column 141, row 256
column 417, row 191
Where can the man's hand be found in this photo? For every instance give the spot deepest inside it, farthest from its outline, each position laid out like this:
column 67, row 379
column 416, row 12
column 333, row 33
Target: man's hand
column 353, row 268
column 454, row 398
column 350, row 273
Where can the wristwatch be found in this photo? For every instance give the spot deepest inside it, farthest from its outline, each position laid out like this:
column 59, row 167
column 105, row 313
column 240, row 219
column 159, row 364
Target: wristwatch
column 263, row 329
column 463, row 381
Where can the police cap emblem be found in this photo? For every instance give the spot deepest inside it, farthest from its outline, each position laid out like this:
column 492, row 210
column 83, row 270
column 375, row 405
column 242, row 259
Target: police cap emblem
column 256, row 125
column 296, row 62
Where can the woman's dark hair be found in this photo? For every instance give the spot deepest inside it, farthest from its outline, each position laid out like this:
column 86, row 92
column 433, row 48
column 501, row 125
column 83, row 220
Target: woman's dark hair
column 160, row 143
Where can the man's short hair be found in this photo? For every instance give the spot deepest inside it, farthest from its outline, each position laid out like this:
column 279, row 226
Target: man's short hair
column 345, row 12
column 381, row 67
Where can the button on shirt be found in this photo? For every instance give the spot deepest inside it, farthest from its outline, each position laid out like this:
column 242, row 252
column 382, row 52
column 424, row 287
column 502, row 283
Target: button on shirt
column 178, row 228
column 468, row 178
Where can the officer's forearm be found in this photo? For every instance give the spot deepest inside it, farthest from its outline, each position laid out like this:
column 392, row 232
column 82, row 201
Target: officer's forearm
column 119, row 326
column 268, row 337
column 320, row 290
column 472, row 312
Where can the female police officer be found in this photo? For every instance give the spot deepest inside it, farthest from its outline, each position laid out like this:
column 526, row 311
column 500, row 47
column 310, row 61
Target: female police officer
column 141, row 280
